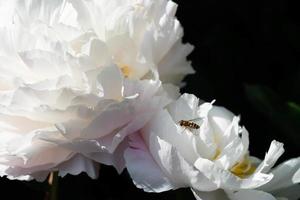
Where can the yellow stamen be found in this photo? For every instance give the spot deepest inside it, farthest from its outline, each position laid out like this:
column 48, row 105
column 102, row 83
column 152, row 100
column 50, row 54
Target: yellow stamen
column 243, row 169
column 217, row 154
column 126, row 70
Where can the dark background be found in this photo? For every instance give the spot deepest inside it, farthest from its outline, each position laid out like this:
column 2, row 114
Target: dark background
column 246, row 57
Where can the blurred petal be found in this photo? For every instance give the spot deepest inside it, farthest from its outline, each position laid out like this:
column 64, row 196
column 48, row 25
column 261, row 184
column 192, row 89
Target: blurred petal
column 249, row 195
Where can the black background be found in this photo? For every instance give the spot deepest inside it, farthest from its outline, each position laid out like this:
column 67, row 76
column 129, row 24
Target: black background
column 237, row 43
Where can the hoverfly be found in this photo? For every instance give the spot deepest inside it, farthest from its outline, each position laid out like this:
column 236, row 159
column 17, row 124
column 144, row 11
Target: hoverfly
column 189, row 124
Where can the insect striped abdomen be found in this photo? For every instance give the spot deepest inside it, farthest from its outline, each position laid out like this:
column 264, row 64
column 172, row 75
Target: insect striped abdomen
column 189, row 124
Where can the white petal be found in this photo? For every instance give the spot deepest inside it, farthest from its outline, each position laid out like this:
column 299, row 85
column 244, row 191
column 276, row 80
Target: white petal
column 78, row 164
column 275, row 151
column 116, row 158
column 220, row 119
column 213, row 195
column 173, row 67
column 111, row 81
column 164, row 127
column 113, row 118
column 284, row 175
column 250, row 195
column 146, row 174
column 184, row 108
column 296, row 177
column 225, row 179
column 176, row 167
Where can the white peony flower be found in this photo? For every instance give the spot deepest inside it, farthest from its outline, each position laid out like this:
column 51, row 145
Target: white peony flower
column 76, row 77
column 210, row 156
column 137, row 35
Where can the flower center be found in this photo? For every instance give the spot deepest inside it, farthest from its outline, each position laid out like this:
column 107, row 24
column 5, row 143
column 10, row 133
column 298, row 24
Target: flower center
column 126, row 70
column 243, row 169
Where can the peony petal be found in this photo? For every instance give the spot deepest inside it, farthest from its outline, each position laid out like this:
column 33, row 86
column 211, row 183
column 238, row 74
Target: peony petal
column 42, row 10
column 283, row 175
column 111, row 76
column 176, row 167
column 288, row 193
column 220, row 119
column 78, row 164
column 250, row 195
column 275, row 151
column 225, row 179
column 172, row 68
column 213, row 195
column 115, row 158
column 162, row 125
column 184, row 108
column 146, row 174
column 296, row 177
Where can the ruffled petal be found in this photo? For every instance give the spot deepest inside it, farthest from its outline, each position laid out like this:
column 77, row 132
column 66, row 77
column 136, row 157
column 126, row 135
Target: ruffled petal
column 78, row 164
column 226, row 180
column 176, row 167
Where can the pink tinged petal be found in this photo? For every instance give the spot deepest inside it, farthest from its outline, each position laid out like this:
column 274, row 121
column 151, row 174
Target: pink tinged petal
column 30, row 153
column 112, row 119
column 249, row 195
column 275, row 151
column 176, row 167
column 111, row 141
column 213, row 195
column 225, row 179
column 144, row 171
column 115, row 158
column 78, row 164
column 110, row 80
column 3, row 172
column 285, row 175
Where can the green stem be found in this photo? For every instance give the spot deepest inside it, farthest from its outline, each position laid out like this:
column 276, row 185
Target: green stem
column 54, row 187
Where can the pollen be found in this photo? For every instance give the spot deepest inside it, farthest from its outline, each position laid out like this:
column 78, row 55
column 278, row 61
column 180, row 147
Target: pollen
column 126, row 70
column 243, row 169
